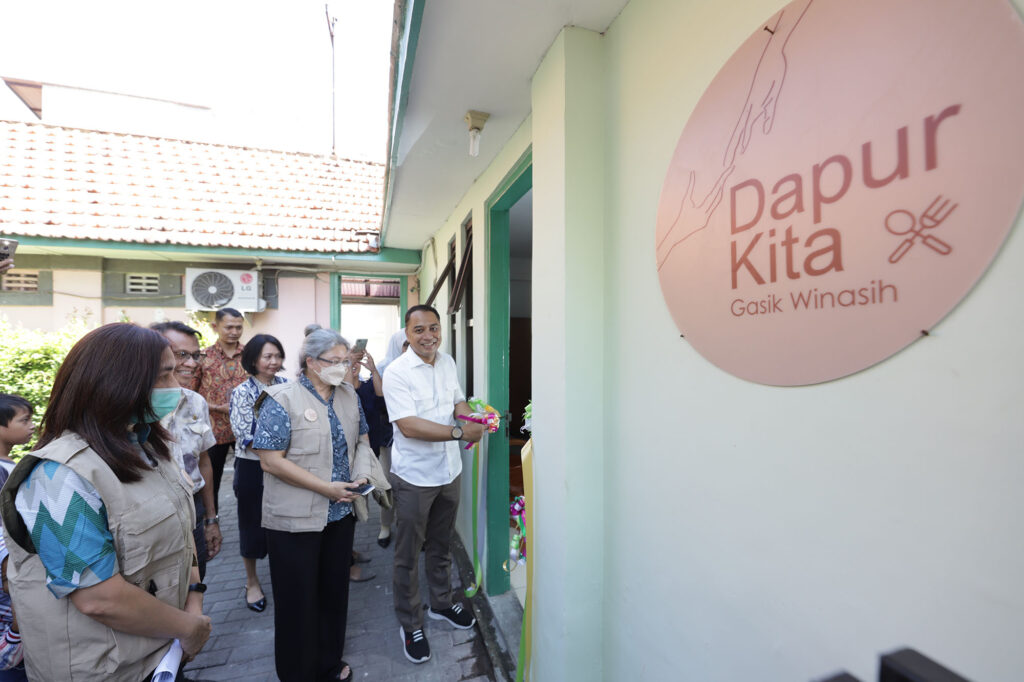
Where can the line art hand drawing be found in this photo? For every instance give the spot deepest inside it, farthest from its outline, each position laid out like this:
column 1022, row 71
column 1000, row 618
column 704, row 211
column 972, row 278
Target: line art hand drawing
column 756, row 115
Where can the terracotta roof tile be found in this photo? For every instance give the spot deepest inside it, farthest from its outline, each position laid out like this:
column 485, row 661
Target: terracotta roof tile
column 82, row 184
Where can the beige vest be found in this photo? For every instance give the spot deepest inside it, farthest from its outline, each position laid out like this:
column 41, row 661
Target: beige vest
column 151, row 522
column 293, row 508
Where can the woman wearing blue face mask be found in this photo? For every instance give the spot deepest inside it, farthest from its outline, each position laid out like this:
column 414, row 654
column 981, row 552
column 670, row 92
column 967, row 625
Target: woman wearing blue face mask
column 98, row 519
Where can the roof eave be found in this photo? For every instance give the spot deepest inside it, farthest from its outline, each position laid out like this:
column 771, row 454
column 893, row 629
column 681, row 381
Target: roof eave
column 404, row 41
column 403, row 261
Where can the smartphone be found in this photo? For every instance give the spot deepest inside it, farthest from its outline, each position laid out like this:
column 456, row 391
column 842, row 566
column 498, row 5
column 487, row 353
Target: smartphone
column 360, row 346
column 7, row 248
column 364, row 489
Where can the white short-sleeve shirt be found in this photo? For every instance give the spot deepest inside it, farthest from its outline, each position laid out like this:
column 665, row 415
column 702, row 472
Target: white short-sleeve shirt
column 413, row 388
column 189, row 426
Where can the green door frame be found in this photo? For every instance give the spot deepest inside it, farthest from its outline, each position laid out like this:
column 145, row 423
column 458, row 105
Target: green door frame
column 403, row 296
column 517, row 182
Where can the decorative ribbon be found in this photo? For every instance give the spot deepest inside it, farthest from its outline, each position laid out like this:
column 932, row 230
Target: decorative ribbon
column 475, row 587
column 482, row 414
column 517, row 545
column 526, row 636
column 488, row 416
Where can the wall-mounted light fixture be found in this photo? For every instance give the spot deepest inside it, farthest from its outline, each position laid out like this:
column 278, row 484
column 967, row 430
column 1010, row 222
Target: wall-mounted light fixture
column 475, row 120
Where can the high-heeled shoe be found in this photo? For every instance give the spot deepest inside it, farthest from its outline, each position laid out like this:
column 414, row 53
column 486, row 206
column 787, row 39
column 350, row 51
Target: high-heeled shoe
column 259, row 606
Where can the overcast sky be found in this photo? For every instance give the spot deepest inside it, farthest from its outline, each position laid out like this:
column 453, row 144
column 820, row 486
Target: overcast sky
column 263, row 68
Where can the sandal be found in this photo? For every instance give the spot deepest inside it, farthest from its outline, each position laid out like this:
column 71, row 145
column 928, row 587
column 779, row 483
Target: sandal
column 350, row 676
column 259, row 606
column 363, row 577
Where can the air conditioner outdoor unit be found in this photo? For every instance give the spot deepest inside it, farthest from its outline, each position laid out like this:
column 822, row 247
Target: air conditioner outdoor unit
column 215, row 289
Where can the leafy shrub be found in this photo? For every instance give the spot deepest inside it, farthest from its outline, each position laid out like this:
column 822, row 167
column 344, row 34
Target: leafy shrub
column 29, row 360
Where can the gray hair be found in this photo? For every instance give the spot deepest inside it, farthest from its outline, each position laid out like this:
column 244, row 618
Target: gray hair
column 318, row 341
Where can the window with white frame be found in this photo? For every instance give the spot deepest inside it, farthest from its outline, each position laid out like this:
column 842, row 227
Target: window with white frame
column 24, row 281
column 141, row 283
column 370, row 290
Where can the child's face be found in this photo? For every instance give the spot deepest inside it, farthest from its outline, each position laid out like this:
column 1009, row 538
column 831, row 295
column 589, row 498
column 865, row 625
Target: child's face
column 19, row 430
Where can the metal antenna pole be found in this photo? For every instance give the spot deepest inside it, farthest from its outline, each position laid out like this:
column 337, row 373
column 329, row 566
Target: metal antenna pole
column 330, row 29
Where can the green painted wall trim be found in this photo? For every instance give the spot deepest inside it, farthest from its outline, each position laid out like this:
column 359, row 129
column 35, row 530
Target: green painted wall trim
column 511, row 189
column 403, row 299
column 37, row 262
column 403, row 291
column 386, row 255
column 400, row 92
column 336, row 301
column 170, row 294
column 514, row 185
column 152, row 267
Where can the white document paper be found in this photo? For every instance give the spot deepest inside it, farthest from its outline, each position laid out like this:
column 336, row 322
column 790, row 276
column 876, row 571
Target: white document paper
column 167, row 670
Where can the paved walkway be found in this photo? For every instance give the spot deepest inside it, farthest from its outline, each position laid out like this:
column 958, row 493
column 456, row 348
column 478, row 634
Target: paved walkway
column 242, row 644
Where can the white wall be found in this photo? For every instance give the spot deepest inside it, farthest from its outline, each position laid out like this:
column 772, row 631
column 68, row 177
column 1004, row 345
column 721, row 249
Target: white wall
column 570, row 369
column 783, row 533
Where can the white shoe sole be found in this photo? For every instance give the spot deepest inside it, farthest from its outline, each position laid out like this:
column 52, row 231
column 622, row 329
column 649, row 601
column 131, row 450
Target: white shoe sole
column 437, row 616
column 401, row 636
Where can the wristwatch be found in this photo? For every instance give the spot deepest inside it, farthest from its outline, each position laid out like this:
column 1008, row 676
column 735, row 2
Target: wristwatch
column 197, row 587
column 211, row 521
column 456, row 433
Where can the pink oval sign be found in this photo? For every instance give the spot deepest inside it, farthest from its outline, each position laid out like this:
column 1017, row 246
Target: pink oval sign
column 843, row 182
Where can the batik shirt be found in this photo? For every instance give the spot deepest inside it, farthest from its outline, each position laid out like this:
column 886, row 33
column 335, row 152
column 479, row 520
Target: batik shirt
column 242, row 418
column 69, row 527
column 189, row 426
column 220, row 375
column 11, row 653
column 274, row 432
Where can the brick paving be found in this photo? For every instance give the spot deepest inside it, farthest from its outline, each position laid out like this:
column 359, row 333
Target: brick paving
column 242, row 643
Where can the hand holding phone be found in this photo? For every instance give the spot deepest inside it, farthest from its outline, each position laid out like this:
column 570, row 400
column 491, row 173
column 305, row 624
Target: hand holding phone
column 7, row 249
column 363, row 489
column 360, row 346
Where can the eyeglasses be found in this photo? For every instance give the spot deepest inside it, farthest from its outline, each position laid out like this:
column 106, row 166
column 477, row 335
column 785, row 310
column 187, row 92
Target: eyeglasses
column 184, row 354
column 343, row 361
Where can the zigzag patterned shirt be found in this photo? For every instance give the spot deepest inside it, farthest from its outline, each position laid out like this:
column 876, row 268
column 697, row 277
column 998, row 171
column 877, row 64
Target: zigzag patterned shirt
column 69, row 528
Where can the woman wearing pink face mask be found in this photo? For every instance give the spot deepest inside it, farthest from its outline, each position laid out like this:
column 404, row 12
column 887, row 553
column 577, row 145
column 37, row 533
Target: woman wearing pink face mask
column 307, row 434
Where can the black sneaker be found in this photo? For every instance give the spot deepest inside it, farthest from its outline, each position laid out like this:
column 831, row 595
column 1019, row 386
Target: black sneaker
column 415, row 646
column 456, row 615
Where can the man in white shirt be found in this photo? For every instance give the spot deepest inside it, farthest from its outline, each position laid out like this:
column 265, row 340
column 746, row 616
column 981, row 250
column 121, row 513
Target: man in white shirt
column 421, row 388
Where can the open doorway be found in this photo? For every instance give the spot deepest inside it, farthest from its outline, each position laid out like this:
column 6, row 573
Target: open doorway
column 370, row 309
column 501, row 456
column 520, row 353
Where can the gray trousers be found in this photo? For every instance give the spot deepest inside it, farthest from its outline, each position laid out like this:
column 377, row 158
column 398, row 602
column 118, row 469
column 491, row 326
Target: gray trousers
column 426, row 519
column 387, row 516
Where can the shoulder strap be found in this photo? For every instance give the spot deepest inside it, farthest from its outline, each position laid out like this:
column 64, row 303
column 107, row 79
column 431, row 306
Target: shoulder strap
column 12, row 520
column 256, row 406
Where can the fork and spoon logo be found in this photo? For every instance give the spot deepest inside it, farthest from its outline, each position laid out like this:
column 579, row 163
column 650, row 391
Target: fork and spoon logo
column 902, row 222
